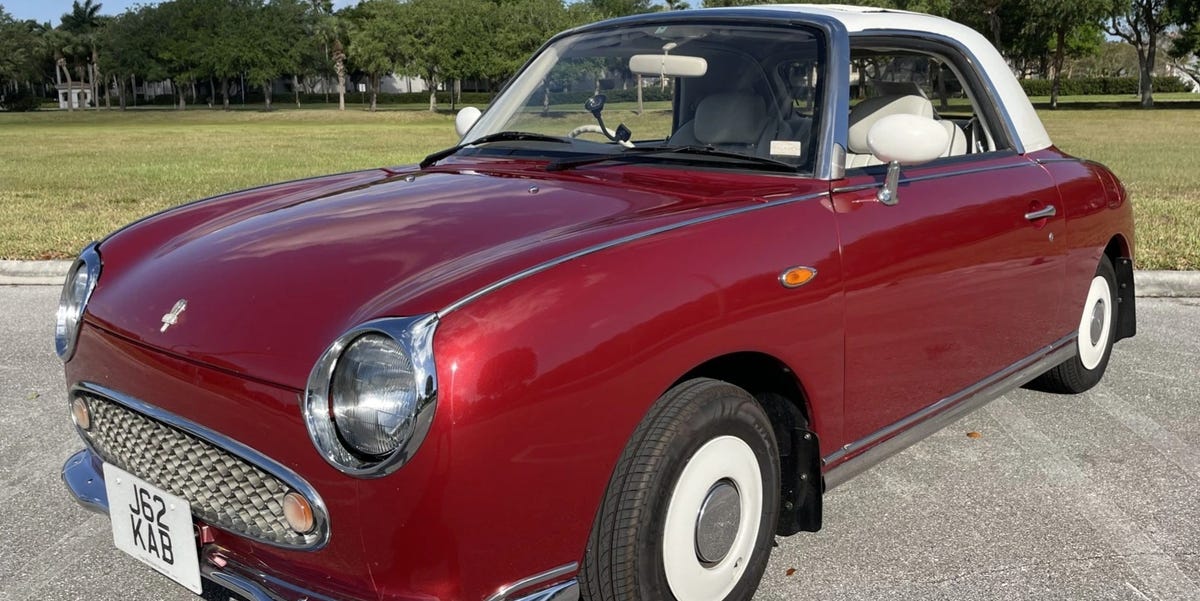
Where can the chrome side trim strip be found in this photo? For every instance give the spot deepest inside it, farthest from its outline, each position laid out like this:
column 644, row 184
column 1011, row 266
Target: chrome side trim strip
column 536, row 269
column 937, row 176
column 504, row 592
column 895, row 438
column 294, row 481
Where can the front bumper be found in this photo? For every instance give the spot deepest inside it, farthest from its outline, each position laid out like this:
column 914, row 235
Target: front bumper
column 86, row 484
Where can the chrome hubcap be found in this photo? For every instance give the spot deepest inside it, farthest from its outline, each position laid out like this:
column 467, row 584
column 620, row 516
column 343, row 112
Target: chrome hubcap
column 717, row 522
column 1097, row 321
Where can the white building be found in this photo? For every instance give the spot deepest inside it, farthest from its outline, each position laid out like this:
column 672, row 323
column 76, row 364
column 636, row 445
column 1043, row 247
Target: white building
column 78, row 94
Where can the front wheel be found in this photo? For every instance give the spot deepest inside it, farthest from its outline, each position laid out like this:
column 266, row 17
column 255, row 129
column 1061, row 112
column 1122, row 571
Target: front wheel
column 691, row 510
column 1094, row 341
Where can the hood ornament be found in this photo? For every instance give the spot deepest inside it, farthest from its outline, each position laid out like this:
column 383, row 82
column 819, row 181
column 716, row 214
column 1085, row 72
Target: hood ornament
column 172, row 316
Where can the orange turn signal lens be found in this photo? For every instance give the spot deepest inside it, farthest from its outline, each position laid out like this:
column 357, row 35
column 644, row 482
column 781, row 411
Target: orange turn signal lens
column 80, row 414
column 797, row 276
column 298, row 512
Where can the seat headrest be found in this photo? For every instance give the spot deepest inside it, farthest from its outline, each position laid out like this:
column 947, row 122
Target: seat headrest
column 868, row 112
column 730, row 118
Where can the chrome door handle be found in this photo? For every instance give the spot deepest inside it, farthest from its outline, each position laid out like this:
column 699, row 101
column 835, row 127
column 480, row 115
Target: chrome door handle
column 1045, row 213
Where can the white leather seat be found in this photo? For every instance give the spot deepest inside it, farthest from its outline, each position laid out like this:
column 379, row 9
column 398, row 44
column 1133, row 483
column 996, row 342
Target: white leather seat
column 868, row 112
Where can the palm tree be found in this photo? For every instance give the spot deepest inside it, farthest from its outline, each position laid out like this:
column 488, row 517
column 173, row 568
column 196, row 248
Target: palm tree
column 84, row 22
column 64, row 47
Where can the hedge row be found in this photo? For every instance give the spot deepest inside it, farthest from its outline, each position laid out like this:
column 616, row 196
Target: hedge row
column 649, row 94
column 1097, row 86
column 352, row 98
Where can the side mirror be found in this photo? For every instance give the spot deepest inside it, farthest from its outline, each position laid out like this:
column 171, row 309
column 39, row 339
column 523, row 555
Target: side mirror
column 465, row 120
column 905, row 140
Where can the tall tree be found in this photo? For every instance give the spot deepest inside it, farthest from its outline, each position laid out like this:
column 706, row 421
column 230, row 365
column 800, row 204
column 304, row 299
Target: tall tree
column 19, row 51
column 1063, row 19
column 377, row 26
column 84, row 22
column 1185, row 47
column 1140, row 23
column 621, row 8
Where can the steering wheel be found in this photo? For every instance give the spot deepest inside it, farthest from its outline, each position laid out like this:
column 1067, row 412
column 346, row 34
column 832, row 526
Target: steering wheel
column 595, row 129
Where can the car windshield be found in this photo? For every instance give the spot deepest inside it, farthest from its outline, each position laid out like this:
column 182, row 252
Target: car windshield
column 748, row 94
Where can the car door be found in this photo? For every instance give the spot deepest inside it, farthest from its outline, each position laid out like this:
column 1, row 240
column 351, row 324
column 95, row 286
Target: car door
column 956, row 281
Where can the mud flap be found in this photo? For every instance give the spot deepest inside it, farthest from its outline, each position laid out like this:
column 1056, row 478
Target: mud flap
column 1126, row 309
column 802, row 493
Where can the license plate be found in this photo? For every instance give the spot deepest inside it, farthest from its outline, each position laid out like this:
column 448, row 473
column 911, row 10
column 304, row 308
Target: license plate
column 153, row 526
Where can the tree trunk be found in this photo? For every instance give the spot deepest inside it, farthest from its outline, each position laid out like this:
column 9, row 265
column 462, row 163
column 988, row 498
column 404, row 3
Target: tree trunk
column 1060, row 51
column 1148, row 74
column 120, row 85
column 545, row 98
column 133, row 88
column 267, row 94
column 641, row 106
column 1145, row 78
column 339, row 66
column 70, row 87
column 374, row 91
column 296, row 88
column 181, row 95
column 225, row 93
column 432, row 95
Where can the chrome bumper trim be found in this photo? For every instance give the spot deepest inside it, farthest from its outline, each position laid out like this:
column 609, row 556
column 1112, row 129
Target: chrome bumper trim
column 567, row 591
column 86, row 485
column 563, row 591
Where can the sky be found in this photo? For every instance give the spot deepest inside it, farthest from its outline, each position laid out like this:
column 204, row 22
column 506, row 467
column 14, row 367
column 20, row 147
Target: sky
column 50, row 10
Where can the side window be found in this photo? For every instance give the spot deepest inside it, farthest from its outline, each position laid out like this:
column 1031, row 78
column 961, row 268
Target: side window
column 888, row 81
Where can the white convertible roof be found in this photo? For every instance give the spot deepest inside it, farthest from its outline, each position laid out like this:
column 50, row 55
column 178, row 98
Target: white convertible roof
column 856, row 19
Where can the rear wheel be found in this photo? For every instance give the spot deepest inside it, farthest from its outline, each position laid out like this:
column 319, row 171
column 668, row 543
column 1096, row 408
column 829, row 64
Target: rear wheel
column 1096, row 335
column 691, row 510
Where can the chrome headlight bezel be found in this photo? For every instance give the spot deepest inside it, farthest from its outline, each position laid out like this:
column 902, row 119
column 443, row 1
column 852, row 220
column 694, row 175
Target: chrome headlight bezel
column 414, row 336
column 73, row 301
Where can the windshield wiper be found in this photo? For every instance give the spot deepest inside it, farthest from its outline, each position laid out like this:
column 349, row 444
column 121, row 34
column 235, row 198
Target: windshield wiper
column 504, row 136
column 639, row 152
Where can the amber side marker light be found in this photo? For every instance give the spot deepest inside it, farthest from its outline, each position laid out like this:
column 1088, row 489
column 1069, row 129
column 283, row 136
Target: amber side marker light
column 298, row 512
column 80, row 414
column 796, row 277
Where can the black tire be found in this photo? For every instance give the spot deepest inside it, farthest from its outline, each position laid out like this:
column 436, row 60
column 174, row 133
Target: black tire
column 625, row 560
column 1074, row 375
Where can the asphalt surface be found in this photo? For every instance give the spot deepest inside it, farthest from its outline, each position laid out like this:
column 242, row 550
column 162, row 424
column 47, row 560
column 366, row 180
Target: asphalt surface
column 1084, row 497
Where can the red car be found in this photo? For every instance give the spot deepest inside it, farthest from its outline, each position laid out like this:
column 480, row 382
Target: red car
column 688, row 271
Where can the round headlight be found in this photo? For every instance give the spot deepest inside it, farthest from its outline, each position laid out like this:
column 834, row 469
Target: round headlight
column 373, row 396
column 81, row 280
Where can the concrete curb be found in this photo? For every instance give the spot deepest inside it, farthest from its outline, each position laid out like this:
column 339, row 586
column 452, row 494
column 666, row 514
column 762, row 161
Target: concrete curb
column 1149, row 284
column 33, row 273
column 1167, row 284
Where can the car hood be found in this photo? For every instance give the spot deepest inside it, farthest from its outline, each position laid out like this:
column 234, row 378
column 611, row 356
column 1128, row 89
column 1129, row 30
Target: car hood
column 272, row 276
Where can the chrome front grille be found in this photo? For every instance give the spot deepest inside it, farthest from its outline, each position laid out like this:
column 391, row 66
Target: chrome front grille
column 223, row 489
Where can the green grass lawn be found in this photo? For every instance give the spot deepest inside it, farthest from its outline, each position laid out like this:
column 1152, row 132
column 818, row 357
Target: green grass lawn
column 66, row 179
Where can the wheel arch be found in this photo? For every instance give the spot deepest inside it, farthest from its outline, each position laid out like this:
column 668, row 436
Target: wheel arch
column 779, row 390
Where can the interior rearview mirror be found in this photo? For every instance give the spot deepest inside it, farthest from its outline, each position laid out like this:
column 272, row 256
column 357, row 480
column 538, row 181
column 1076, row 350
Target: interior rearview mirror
column 465, row 120
column 668, row 65
column 905, row 140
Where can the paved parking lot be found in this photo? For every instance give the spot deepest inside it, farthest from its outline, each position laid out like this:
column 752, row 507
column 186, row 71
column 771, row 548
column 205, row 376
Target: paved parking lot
column 1088, row 497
